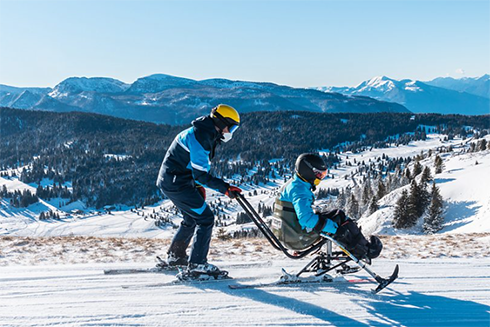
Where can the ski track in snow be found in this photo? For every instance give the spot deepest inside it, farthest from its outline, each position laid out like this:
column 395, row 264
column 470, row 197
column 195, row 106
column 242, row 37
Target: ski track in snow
column 427, row 293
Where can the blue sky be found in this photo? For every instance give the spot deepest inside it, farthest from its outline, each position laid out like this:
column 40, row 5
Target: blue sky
column 297, row 43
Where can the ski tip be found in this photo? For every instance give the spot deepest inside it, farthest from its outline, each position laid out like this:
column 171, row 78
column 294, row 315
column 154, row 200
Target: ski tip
column 384, row 282
column 395, row 273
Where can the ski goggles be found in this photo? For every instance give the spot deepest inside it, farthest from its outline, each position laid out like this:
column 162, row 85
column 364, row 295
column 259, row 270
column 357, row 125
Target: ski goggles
column 319, row 174
column 233, row 128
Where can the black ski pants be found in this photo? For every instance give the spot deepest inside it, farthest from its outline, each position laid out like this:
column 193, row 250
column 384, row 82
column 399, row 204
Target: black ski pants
column 198, row 217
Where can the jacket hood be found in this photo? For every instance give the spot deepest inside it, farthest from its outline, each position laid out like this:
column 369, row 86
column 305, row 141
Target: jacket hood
column 206, row 133
column 205, row 123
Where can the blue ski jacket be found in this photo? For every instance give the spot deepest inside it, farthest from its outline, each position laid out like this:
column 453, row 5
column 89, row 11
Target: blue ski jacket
column 299, row 193
column 188, row 157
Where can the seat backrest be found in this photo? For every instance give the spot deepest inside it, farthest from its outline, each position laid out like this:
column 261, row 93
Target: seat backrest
column 286, row 227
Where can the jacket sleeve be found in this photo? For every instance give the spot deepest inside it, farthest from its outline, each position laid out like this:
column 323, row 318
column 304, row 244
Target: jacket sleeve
column 302, row 203
column 200, row 164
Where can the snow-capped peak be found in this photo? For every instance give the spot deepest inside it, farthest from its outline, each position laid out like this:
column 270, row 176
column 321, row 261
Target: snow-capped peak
column 93, row 84
column 380, row 83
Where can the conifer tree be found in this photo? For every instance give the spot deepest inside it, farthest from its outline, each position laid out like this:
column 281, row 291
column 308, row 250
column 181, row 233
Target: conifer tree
column 341, row 199
column 373, row 205
column 366, row 194
column 415, row 203
column 438, row 164
column 401, row 216
column 434, row 219
column 381, row 189
column 417, row 169
column 482, row 145
column 267, row 211
column 353, row 209
column 408, row 175
column 426, row 175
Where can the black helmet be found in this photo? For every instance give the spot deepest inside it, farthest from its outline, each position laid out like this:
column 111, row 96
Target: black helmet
column 311, row 168
column 375, row 247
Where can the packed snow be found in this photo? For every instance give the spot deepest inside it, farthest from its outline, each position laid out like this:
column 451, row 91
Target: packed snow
column 428, row 293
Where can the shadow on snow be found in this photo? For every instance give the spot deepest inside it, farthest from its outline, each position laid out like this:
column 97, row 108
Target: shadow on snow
column 389, row 309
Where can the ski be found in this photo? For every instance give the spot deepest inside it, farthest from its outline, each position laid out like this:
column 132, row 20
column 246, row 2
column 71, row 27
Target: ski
column 280, row 283
column 383, row 282
column 161, row 267
column 170, row 270
column 140, row 271
column 177, row 281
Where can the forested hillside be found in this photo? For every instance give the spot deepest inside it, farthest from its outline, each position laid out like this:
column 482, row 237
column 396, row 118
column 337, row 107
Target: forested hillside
column 107, row 160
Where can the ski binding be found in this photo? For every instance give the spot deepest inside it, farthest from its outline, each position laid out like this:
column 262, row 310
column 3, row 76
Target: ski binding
column 189, row 276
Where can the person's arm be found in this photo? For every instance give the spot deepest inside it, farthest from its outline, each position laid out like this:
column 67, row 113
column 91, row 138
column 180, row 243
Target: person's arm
column 200, row 164
column 302, row 203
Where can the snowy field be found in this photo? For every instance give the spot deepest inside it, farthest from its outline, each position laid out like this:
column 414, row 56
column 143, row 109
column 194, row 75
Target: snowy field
column 428, row 293
column 444, row 280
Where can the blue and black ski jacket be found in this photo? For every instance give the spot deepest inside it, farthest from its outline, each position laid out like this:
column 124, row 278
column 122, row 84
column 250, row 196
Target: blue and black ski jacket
column 188, row 157
column 299, row 194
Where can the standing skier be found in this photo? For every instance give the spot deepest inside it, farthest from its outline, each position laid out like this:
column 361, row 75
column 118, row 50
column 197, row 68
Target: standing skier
column 182, row 177
column 298, row 226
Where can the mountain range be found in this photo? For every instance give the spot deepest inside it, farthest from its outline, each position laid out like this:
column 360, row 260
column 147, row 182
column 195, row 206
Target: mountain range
column 478, row 86
column 468, row 96
column 173, row 100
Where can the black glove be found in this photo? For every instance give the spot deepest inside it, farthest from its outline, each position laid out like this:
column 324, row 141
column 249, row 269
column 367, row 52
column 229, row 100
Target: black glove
column 337, row 216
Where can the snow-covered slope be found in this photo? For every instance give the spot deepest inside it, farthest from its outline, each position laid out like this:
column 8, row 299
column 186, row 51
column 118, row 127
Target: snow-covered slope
column 75, row 85
column 437, row 293
column 21, row 98
column 463, row 184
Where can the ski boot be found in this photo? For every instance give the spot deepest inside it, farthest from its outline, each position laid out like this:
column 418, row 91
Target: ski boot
column 172, row 263
column 203, row 271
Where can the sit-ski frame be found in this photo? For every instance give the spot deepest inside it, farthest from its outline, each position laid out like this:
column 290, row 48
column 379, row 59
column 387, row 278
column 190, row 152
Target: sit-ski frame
column 322, row 263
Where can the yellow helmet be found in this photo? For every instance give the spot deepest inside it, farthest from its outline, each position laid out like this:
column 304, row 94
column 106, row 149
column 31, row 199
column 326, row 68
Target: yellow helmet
column 225, row 116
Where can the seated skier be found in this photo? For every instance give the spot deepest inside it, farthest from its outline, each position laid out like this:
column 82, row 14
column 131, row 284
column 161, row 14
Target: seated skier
column 298, row 226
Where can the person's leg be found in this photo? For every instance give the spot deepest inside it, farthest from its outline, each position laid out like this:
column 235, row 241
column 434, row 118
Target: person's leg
column 204, row 230
column 182, row 238
column 196, row 212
